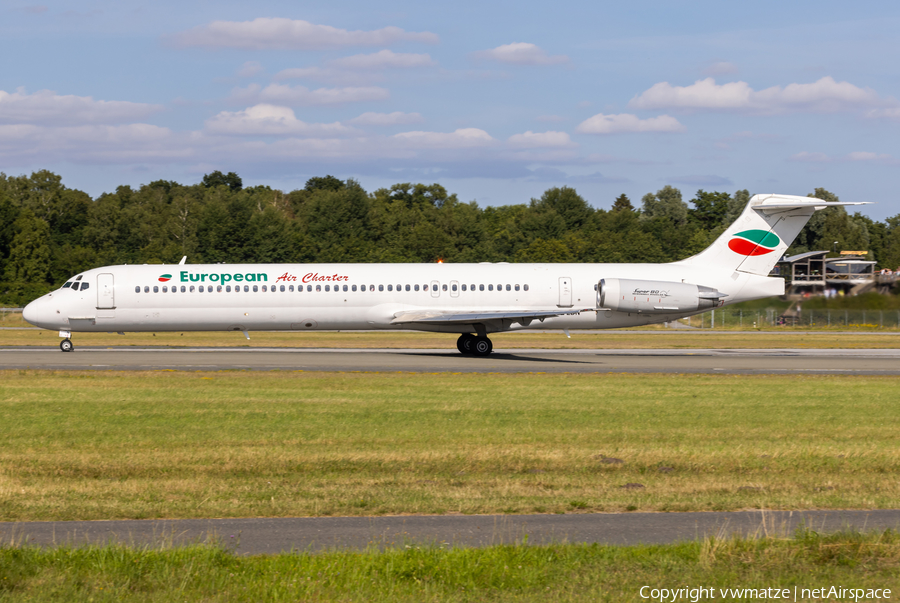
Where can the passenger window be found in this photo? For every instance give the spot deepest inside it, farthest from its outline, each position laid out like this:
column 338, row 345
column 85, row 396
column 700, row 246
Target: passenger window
column 146, row 289
column 454, row 287
column 218, row 288
column 318, row 287
column 399, row 287
column 201, row 288
column 137, row 289
column 481, row 287
column 327, row 288
column 525, row 287
column 263, row 288
column 507, row 287
column 407, row 287
column 309, row 288
column 490, row 287
column 444, row 287
column 156, row 288
column 381, row 287
column 371, row 288
column 256, row 288
column 499, row 287
column 416, row 287
column 281, row 288
column 390, row 287
column 354, row 287
column 183, row 289
column 165, row 289
column 463, row 287
column 227, row 288
column 345, row 288
column 291, row 288
column 192, row 288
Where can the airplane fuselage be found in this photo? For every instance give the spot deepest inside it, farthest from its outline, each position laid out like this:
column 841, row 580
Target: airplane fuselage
column 303, row 297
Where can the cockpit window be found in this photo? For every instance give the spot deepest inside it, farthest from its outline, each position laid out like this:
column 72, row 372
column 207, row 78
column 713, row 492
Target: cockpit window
column 67, row 285
column 85, row 286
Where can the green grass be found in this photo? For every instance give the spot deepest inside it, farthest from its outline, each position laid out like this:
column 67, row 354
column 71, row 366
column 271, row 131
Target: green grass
column 562, row 572
column 97, row 445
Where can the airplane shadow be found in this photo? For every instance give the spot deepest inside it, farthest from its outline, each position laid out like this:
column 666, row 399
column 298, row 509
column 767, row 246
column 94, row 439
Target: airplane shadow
column 496, row 356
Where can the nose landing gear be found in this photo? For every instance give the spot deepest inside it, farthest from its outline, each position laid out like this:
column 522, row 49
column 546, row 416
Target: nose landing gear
column 66, row 345
column 474, row 345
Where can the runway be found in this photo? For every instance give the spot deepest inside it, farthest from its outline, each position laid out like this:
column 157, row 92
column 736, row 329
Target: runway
column 253, row 536
column 709, row 361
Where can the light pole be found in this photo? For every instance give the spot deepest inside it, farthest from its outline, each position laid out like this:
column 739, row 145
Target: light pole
column 834, row 247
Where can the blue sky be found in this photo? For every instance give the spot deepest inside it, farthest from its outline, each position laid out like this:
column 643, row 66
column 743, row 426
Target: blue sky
column 496, row 101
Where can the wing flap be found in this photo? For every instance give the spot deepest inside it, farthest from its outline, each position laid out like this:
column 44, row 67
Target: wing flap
column 439, row 317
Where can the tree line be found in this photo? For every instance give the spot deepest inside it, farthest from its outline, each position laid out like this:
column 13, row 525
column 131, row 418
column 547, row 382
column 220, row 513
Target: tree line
column 49, row 232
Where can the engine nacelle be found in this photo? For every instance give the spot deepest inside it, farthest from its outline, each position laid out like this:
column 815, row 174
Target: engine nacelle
column 655, row 297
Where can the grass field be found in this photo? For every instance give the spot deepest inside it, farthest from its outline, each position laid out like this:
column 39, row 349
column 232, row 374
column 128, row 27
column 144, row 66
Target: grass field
column 91, row 445
column 504, row 573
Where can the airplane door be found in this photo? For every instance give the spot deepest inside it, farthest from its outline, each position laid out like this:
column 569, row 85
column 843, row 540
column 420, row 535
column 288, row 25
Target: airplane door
column 454, row 288
column 435, row 289
column 106, row 292
column 565, row 292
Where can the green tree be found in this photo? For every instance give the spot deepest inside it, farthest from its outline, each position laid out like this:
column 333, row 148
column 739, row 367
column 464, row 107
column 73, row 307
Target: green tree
column 217, row 178
column 709, row 209
column 29, row 258
column 666, row 204
column 622, row 203
column 323, row 183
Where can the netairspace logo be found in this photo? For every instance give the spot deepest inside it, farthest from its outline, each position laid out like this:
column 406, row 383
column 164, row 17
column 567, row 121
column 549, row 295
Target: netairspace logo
column 830, row 593
column 754, row 242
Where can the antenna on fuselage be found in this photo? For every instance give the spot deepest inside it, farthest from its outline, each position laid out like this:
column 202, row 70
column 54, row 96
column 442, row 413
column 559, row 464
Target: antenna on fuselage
column 183, row 260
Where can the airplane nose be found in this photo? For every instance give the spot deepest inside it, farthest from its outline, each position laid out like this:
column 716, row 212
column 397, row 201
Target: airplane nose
column 31, row 312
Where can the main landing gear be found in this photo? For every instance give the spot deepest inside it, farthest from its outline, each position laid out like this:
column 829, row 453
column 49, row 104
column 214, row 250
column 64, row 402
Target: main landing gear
column 475, row 345
column 66, row 345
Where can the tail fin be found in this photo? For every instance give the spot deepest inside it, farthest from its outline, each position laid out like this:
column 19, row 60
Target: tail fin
column 760, row 235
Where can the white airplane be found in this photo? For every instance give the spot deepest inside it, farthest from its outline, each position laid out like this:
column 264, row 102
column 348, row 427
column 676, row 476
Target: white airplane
column 473, row 300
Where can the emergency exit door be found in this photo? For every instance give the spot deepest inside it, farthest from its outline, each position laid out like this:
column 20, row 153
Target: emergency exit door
column 106, row 292
column 565, row 292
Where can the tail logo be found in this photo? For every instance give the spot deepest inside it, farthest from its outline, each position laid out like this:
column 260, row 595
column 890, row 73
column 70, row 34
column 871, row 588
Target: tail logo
column 754, row 242
column 165, row 278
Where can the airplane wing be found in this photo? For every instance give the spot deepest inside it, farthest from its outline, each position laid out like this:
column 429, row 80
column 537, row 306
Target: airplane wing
column 438, row 317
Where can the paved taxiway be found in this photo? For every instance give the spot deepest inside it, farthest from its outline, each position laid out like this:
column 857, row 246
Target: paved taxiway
column 265, row 536
column 753, row 361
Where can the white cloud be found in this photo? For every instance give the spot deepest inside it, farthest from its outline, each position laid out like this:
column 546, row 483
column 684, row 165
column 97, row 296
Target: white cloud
column 538, row 140
column 249, row 69
column 825, row 95
column 807, row 157
column 521, row 53
column 47, row 107
column 92, row 143
column 458, row 139
column 721, row 68
column 291, row 34
column 294, row 96
column 269, row 120
column 856, row 156
column 383, row 59
column 387, row 119
column 626, row 122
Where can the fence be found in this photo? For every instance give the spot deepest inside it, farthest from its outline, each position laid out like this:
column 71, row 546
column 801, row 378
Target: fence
column 745, row 319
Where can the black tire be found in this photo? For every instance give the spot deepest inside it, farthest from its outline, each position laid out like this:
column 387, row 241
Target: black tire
column 66, row 345
column 464, row 344
column 482, row 346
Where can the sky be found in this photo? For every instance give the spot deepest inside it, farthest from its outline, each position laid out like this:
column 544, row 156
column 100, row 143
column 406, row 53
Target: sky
column 496, row 101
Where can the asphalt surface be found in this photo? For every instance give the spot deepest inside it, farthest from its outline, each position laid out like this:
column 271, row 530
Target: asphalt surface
column 753, row 361
column 267, row 536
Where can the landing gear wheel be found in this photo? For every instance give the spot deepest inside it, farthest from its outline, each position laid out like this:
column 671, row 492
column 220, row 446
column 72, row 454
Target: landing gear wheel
column 66, row 345
column 465, row 344
column 482, row 346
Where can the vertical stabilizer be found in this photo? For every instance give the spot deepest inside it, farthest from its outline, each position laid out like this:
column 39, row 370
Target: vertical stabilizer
column 761, row 234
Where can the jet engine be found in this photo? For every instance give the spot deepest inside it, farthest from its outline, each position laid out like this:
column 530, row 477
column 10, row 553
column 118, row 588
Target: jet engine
column 655, row 297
